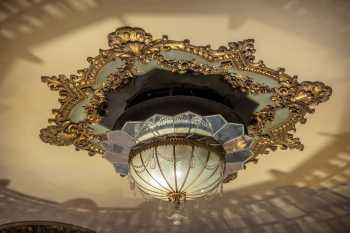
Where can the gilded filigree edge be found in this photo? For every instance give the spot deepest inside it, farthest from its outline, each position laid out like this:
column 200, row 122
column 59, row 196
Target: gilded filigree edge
column 129, row 44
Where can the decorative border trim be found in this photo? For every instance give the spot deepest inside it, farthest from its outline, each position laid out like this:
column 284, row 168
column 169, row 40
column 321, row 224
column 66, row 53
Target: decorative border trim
column 134, row 44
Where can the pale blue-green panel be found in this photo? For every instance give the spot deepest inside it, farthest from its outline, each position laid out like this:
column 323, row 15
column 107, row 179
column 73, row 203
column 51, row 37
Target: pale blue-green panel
column 144, row 68
column 106, row 70
column 78, row 113
column 281, row 115
column 262, row 100
column 99, row 129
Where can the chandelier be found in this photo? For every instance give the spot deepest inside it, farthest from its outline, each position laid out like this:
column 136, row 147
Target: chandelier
column 179, row 157
column 179, row 120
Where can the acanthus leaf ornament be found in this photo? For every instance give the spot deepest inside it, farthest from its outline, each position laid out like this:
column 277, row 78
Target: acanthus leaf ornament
column 285, row 101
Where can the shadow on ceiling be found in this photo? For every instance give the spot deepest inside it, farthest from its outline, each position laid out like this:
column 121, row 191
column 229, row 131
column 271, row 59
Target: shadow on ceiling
column 318, row 202
column 323, row 205
column 26, row 23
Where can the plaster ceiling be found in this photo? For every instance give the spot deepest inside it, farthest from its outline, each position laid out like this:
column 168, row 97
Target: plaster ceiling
column 43, row 37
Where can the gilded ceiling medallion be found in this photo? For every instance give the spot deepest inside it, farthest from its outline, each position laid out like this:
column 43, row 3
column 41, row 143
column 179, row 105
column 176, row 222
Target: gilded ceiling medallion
column 180, row 120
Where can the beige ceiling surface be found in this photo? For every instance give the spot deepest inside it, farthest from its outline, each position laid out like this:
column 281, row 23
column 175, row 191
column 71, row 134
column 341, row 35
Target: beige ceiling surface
column 308, row 38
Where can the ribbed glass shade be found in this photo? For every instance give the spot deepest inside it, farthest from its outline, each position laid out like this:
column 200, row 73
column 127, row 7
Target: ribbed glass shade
column 177, row 171
column 181, row 157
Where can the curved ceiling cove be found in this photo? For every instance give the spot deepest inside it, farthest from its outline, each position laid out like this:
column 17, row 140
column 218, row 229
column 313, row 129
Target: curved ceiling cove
column 42, row 226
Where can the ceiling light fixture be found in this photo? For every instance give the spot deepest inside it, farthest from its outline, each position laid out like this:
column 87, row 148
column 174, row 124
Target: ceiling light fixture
column 180, row 120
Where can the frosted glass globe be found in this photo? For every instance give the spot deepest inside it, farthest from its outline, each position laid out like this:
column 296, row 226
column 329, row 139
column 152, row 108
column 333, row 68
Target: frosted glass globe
column 190, row 170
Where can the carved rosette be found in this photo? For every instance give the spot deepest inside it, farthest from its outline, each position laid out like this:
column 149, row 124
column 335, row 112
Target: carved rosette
column 134, row 45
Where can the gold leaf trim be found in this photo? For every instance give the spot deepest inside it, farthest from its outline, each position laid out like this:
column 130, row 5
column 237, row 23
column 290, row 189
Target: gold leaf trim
column 134, row 44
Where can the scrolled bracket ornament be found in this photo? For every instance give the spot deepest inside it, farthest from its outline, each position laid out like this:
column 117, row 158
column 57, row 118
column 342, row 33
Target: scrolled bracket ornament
column 133, row 49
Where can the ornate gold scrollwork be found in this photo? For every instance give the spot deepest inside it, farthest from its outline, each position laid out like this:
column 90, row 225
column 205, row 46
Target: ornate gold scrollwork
column 133, row 45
